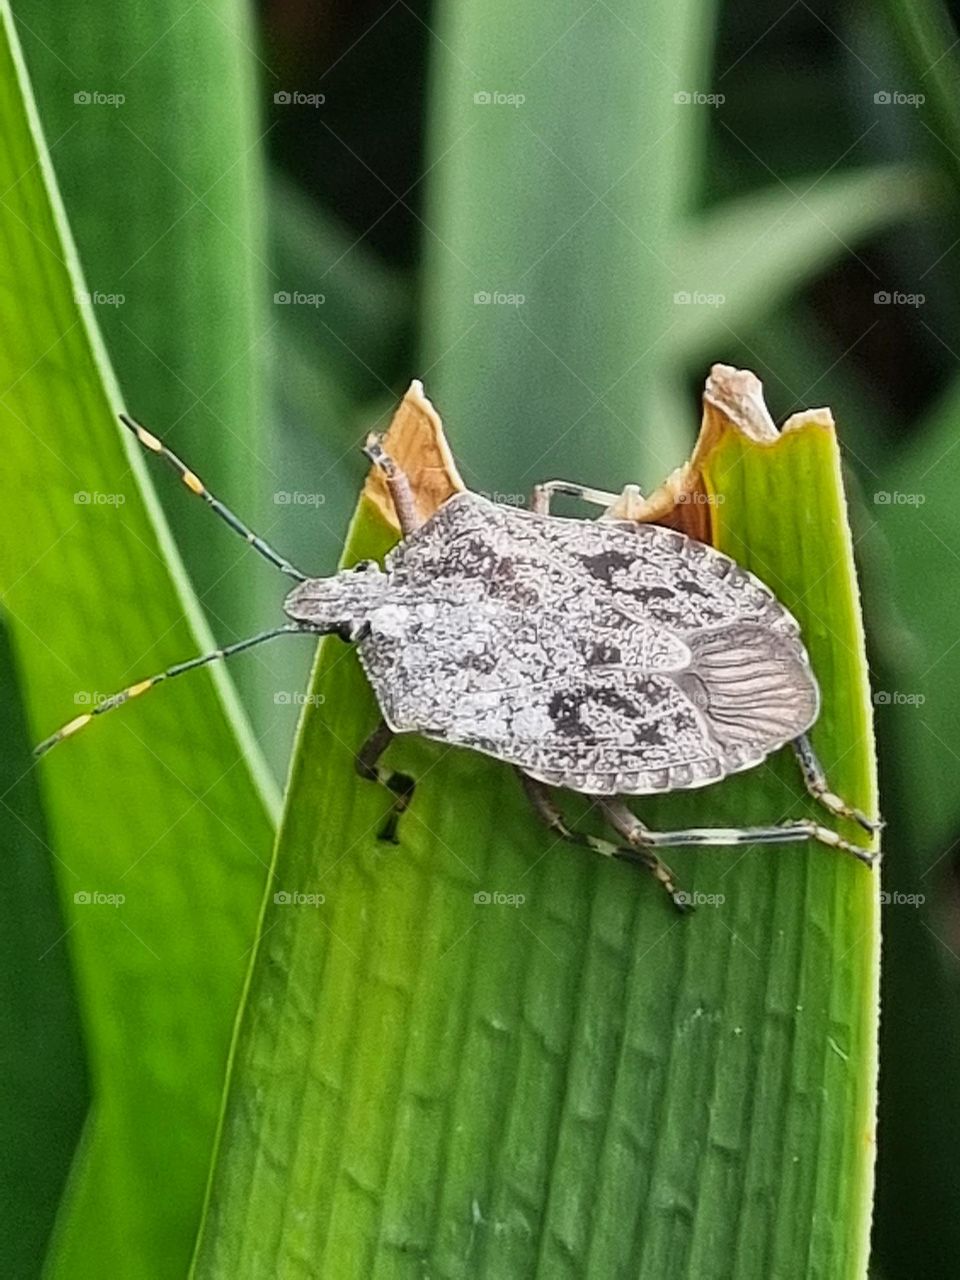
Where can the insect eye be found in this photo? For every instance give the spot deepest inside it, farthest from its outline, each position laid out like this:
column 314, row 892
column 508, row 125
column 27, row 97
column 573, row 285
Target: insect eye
column 364, row 566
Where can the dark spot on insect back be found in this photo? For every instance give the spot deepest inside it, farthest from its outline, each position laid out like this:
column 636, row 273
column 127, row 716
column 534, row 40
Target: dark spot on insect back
column 616, row 701
column 649, row 735
column 566, row 711
column 604, row 654
column 606, row 564
column 691, row 588
column 472, row 558
column 484, row 663
column 684, row 722
column 653, row 692
column 506, row 587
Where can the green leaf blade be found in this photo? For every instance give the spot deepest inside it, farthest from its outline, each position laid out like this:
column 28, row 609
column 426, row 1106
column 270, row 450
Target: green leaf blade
column 584, row 1084
column 165, row 195
column 96, row 598
column 524, row 203
column 44, row 1095
column 754, row 252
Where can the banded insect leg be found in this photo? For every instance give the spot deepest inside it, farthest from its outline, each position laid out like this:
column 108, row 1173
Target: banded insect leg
column 632, row 829
column 815, row 780
column 400, row 785
column 542, row 799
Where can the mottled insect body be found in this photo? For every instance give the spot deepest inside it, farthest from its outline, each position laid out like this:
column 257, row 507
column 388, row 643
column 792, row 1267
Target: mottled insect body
column 608, row 657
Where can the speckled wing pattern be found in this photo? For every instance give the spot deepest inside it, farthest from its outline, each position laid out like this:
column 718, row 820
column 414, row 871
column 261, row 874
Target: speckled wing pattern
column 610, row 658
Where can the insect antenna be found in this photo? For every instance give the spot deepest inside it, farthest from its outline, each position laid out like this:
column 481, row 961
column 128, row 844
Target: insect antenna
column 196, row 485
column 397, row 482
column 143, row 686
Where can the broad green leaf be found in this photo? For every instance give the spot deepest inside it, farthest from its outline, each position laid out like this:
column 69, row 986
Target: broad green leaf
column 164, row 802
column 746, row 256
column 569, row 1080
column 913, row 506
column 560, row 166
column 331, row 353
column 355, row 317
column 925, row 41
column 913, row 511
column 173, row 245
column 43, row 1088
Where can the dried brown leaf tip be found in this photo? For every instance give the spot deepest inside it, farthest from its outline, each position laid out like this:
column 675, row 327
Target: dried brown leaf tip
column 415, row 440
column 733, row 403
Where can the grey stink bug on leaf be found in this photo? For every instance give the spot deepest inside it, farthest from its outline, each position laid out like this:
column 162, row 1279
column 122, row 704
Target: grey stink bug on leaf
column 609, row 657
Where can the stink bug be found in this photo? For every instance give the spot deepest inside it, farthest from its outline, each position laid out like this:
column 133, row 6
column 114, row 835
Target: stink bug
column 606, row 657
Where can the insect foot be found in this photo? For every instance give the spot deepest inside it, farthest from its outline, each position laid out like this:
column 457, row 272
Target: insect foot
column 869, row 857
column 681, row 899
column 400, row 785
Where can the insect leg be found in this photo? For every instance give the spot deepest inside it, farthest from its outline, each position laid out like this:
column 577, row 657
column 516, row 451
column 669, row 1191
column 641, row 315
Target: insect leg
column 815, row 780
column 196, row 485
column 540, row 796
column 143, row 686
column 400, row 784
column 543, row 494
column 783, row 833
column 397, row 483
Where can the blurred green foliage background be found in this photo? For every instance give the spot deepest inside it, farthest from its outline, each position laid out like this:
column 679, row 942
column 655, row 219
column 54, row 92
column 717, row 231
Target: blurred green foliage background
column 774, row 185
